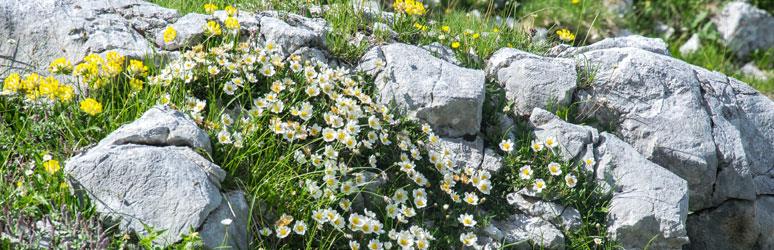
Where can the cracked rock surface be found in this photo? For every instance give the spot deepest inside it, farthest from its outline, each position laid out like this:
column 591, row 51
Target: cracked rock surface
column 147, row 173
column 448, row 97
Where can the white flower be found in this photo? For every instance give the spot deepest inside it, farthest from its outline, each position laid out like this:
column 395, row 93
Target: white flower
column 226, row 222
column 598, row 241
column 589, row 162
column 554, row 168
column 405, row 239
column 400, row 196
column 468, row 239
column 471, row 198
column 420, row 202
column 374, row 244
column 229, row 88
column 506, row 145
column 224, row 137
column 226, row 119
column 539, row 185
column 299, row 228
column 267, row 70
column 536, row 146
column 551, row 142
column 484, row 186
column 467, row 220
column 570, row 180
column 353, row 245
column 525, row 172
column 282, row 231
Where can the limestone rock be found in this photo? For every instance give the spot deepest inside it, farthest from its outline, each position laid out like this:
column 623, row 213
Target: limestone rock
column 532, row 81
column 42, row 33
column 235, row 209
column 292, row 32
column 654, row 45
column 190, row 31
column 565, row 217
column 442, row 52
column 466, row 153
column 448, row 97
column 732, row 225
column 649, row 203
column 692, row 45
column 745, row 28
column 523, row 230
column 147, row 173
column 574, row 140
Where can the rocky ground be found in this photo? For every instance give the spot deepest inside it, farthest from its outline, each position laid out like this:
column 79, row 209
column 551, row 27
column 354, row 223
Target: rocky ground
column 682, row 154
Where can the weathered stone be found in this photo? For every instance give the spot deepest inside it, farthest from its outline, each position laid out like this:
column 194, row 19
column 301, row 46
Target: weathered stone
column 448, row 97
column 745, row 28
column 654, row 45
column 215, row 234
column 190, row 31
column 750, row 69
column 147, row 173
column 573, row 139
column 442, row 52
column 466, row 153
column 692, row 45
column 649, row 204
column 532, row 81
column 567, row 218
column 523, row 230
column 42, row 33
column 292, row 32
column 732, row 225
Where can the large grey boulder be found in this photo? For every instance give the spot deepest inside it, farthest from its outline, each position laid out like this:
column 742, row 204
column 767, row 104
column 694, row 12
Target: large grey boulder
column 745, row 28
column 732, row 225
column 649, row 204
column 709, row 129
column 48, row 29
column 448, row 97
column 532, row 81
column 148, row 173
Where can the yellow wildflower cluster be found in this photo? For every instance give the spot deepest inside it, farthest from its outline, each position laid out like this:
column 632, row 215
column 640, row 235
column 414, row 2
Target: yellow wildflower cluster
column 96, row 71
column 35, row 86
column 169, row 34
column 212, row 28
column 410, row 7
column 210, row 8
column 91, row 106
column 565, row 35
column 51, row 166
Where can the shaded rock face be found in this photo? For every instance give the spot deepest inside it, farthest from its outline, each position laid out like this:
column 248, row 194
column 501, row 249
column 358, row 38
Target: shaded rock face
column 709, row 129
column 745, row 28
column 147, row 173
column 532, row 81
column 519, row 231
column 446, row 96
column 48, row 29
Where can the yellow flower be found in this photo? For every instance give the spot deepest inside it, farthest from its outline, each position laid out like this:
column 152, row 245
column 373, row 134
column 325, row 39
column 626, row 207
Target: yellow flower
column 65, row 93
column 230, row 10
column 12, row 83
column 49, row 87
column 210, row 8
column 91, row 106
column 495, row 30
column 30, row 82
column 114, row 57
column 137, row 68
column 93, row 59
column 476, row 36
column 212, row 28
column 575, row 1
column 136, row 84
column 445, row 28
column 565, row 35
column 169, row 34
column 420, row 27
column 61, row 66
column 455, row 45
column 232, row 23
column 410, row 7
column 51, row 166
